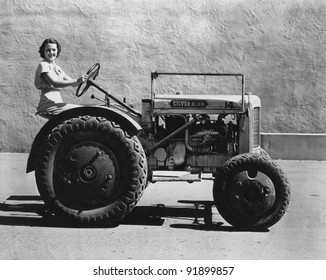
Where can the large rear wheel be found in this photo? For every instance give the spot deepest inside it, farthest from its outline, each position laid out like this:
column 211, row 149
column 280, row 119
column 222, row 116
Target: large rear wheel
column 251, row 191
column 91, row 171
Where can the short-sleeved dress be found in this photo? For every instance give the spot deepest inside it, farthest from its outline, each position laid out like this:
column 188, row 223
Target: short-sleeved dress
column 50, row 98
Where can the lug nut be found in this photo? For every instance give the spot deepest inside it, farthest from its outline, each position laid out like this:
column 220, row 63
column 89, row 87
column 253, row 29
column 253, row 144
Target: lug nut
column 73, row 157
column 67, row 181
column 266, row 191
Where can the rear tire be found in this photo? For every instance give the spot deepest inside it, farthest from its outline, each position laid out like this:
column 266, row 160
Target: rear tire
column 251, row 191
column 90, row 171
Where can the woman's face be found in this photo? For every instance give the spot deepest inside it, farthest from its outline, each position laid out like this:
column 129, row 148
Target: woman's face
column 50, row 52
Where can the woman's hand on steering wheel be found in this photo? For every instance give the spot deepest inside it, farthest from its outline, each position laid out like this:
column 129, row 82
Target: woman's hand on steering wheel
column 90, row 75
column 82, row 79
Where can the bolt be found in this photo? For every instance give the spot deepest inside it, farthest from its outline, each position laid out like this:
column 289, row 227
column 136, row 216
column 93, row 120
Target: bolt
column 73, row 157
column 108, row 178
column 67, row 181
column 266, row 191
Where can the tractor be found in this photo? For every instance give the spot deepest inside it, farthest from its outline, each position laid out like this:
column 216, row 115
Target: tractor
column 93, row 163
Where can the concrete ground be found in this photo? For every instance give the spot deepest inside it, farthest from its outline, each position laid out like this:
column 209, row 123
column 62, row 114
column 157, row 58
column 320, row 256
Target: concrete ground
column 25, row 234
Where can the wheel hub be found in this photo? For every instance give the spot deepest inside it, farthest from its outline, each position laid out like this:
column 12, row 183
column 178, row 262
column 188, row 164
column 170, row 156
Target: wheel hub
column 254, row 191
column 251, row 197
column 86, row 175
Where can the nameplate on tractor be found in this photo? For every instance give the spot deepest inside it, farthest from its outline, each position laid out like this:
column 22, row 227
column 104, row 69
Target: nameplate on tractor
column 188, row 103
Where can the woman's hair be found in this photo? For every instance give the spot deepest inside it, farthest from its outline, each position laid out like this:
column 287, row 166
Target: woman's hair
column 49, row 41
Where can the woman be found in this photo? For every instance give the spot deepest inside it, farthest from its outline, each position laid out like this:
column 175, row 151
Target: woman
column 50, row 79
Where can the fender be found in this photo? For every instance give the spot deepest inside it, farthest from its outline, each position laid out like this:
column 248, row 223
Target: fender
column 126, row 123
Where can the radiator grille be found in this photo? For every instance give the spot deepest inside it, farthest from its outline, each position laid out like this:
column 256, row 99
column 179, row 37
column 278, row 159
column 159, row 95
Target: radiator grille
column 256, row 127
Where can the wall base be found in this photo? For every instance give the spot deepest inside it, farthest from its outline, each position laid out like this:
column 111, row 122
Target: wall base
column 294, row 146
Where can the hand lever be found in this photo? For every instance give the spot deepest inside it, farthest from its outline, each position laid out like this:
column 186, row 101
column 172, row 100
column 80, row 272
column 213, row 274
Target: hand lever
column 94, row 97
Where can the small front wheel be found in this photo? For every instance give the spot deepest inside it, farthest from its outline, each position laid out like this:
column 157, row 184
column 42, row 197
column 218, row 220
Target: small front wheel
column 251, row 191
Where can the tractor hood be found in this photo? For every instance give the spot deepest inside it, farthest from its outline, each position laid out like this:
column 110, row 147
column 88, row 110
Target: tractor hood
column 197, row 104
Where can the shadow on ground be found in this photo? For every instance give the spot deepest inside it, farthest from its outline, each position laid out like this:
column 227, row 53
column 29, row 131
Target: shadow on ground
column 31, row 211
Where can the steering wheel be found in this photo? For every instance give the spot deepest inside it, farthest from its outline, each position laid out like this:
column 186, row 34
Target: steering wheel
column 92, row 74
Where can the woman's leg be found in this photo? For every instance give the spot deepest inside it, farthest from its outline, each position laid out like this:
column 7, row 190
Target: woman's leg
column 55, row 109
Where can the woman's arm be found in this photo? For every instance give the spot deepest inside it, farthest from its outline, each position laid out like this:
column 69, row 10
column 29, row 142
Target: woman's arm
column 53, row 79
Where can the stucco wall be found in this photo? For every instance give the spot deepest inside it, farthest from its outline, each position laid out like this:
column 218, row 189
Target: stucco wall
column 278, row 44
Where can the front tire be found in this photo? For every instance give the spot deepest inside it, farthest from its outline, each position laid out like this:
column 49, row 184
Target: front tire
column 90, row 171
column 251, row 191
